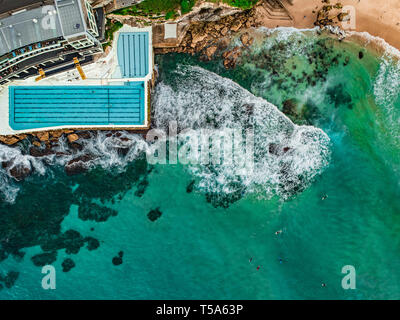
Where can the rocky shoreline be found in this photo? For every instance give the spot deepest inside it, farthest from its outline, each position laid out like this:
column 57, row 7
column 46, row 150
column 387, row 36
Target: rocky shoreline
column 209, row 34
column 47, row 144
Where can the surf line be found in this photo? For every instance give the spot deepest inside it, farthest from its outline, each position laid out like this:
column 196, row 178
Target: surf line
column 184, row 311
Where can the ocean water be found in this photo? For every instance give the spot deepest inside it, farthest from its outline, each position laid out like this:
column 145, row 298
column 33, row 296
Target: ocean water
column 333, row 193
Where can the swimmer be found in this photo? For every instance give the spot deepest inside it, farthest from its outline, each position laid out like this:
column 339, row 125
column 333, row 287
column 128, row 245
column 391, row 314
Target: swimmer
column 324, row 197
column 278, row 232
column 323, row 285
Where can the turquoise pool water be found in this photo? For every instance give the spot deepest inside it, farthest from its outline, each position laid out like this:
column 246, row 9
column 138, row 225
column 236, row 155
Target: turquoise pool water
column 133, row 54
column 52, row 106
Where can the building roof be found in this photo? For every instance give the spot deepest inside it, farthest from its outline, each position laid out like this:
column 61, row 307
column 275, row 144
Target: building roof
column 70, row 15
column 53, row 106
column 133, row 54
column 12, row 5
column 35, row 25
column 25, row 28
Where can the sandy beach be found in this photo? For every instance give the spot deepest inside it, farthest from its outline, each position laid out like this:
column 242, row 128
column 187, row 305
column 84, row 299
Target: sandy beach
column 380, row 18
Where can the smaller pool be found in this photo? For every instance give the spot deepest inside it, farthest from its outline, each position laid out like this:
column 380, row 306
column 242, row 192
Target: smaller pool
column 133, row 54
column 48, row 106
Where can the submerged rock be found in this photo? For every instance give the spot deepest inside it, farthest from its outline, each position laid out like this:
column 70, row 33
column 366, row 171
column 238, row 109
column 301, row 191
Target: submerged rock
column 141, row 188
column 43, row 259
column 95, row 212
column 11, row 278
column 189, row 188
column 155, row 214
column 118, row 259
column 338, row 96
column 290, row 108
column 20, row 171
column 39, row 152
column 70, row 240
column 78, row 165
column 68, row 264
column 92, row 243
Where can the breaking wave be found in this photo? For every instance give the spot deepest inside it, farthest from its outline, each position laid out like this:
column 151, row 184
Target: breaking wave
column 387, row 82
column 287, row 157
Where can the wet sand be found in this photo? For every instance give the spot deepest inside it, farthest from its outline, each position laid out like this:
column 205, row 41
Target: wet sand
column 380, row 18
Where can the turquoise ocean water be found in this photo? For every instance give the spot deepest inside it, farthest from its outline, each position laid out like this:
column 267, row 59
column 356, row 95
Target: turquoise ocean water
column 334, row 194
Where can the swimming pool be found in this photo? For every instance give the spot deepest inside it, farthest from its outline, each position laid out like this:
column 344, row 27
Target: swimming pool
column 34, row 107
column 133, row 54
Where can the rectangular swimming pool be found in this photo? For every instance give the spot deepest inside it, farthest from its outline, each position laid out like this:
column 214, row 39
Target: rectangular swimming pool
column 34, row 107
column 133, row 54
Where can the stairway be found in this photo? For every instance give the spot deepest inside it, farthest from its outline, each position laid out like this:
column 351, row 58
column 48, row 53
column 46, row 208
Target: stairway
column 276, row 10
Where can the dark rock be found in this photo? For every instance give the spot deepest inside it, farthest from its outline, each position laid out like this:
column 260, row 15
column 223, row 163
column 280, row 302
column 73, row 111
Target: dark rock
column 67, row 264
column 10, row 279
column 289, row 108
column 249, row 109
column 38, row 152
column 75, row 146
column 141, row 188
column 95, row 212
column 92, row 243
column 189, row 188
column 78, row 165
column 117, row 261
column 70, row 240
column 43, row 259
column 84, row 135
column 224, row 200
column 339, row 96
column 3, row 255
column 18, row 255
column 153, row 215
column 273, row 149
column 122, row 151
column 20, row 172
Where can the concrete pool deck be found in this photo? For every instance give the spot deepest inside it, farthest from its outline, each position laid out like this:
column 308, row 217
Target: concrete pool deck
column 107, row 73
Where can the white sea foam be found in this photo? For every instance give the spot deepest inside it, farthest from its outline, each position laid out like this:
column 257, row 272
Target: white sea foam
column 202, row 100
column 206, row 100
column 389, row 50
column 387, row 82
column 104, row 149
